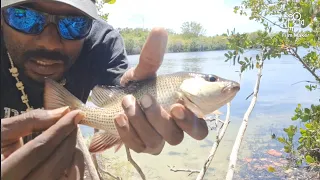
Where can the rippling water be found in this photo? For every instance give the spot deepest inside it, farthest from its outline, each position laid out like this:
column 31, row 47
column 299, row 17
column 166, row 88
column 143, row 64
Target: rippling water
column 276, row 102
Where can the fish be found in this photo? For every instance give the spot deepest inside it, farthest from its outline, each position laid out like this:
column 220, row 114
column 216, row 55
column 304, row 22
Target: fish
column 200, row 93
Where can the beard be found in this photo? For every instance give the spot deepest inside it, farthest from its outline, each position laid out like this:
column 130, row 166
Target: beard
column 21, row 55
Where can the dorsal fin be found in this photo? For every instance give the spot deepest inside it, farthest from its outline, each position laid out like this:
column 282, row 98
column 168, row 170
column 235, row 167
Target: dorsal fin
column 103, row 95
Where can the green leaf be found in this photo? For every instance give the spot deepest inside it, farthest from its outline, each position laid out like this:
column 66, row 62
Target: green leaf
column 281, row 139
column 257, row 57
column 295, row 117
column 110, row 1
column 305, row 118
column 306, row 110
column 309, row 159
column 308, row 125
column 303, row 132
column 287, row 149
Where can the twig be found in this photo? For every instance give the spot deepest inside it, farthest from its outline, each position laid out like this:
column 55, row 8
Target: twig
column 183, row 170
column 113, row 176
column 236, row 146
column 282, row 27
column 87, row 157
column 134, row 163
column 215, row 145
column 295, row 54
column 214, row 119
column 94, row 158
column 314, row 82
column 249, row 96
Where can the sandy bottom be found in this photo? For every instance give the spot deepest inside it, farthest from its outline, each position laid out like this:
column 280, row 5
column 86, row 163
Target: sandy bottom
column 191, row 154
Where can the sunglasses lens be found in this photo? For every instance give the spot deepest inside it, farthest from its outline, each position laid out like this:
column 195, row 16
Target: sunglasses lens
column 24, row 20
column 74, row 27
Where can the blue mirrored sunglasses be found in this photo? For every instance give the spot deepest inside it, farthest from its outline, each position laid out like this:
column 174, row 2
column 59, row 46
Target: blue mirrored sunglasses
column 32, row 22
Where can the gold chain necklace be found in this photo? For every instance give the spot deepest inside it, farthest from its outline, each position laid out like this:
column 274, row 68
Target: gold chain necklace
column 24, row 98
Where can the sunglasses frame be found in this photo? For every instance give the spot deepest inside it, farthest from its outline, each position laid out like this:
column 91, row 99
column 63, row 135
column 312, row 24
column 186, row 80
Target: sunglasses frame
column 49, row 18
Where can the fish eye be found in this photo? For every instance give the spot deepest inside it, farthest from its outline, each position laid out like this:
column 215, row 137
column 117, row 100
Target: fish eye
column 211, row 78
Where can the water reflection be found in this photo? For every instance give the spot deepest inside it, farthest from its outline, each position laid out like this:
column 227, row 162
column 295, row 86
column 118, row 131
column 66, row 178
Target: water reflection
column 192, row 64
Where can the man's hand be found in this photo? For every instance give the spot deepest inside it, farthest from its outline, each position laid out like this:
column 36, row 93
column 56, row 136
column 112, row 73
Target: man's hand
column 51, row 155
column 146, row 129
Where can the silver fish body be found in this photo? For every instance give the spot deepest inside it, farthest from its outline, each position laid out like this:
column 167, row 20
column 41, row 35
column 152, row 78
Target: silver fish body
column 201, row 93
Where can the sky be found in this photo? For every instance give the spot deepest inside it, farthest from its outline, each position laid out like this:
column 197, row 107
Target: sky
column 216, row 16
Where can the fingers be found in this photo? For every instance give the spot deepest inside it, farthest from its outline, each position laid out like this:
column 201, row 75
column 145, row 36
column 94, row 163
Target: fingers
column 188, row 122
column 26, row 123
column 76, row 171
column 10, row 148
column 55, row 166
column 34, row 152
column 128, row 135
column 161, row 120
column 152, row 53
column 144, row 130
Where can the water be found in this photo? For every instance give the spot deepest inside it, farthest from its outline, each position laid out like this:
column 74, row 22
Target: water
column 277, row 100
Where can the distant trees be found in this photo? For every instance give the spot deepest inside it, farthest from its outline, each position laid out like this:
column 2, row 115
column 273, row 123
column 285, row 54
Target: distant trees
column 192, row 38
column 192, row 29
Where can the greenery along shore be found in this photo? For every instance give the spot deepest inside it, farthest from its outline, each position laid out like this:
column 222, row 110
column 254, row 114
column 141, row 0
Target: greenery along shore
column 192, row 38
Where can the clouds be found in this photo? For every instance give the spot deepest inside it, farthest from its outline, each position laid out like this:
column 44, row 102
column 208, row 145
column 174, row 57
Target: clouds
column 214, row 15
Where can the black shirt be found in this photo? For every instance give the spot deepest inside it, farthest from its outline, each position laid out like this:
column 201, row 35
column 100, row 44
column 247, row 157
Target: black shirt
column 102, row 60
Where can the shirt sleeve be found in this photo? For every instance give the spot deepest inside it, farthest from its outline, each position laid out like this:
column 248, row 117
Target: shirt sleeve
column 109, row 61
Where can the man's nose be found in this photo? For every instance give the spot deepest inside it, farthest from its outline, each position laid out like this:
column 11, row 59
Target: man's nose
column 50, row 38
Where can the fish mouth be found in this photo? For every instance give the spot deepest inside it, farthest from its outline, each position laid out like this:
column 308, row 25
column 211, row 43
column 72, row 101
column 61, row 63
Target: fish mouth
column 231, row 87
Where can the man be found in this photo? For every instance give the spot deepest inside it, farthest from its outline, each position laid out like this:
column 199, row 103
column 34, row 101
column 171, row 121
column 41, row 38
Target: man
column 79, row 50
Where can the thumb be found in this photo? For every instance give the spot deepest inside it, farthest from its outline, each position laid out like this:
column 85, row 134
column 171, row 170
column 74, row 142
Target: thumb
column 32, row 121
column 151, row 57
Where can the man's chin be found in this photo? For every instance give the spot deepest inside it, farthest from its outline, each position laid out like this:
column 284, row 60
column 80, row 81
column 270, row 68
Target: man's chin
column 41, row 78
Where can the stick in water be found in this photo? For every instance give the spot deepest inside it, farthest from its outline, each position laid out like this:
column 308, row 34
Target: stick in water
column 242, row 130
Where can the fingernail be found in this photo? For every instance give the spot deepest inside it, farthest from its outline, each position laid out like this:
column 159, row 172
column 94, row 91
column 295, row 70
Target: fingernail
column 146, row 101
column 128, row 103
column 121, row 120
column 178, row 113
column 61, row 110
column 80, row 116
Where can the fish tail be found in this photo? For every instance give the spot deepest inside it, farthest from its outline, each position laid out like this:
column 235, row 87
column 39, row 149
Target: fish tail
column 56, row 96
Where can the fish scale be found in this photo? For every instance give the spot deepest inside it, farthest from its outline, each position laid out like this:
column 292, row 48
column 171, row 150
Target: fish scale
column 103, row 118
column 200, row 93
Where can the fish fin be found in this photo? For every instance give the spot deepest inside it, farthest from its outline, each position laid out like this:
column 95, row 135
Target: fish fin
column 103, row 141
column 102, row 95
column 56, row 96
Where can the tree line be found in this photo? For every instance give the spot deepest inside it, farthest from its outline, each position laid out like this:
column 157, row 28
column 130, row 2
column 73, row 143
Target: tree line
column 191, row 39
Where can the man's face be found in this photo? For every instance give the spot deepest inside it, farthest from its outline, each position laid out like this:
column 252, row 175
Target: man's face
column 46, row 54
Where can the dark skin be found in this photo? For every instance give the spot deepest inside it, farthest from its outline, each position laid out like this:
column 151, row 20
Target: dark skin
column 143, row 129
